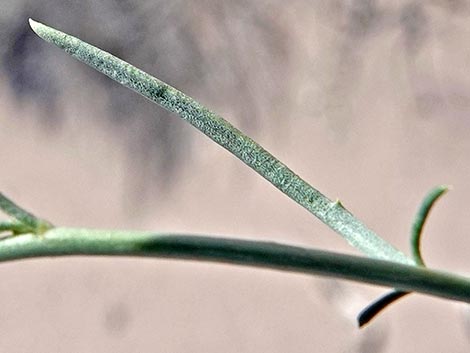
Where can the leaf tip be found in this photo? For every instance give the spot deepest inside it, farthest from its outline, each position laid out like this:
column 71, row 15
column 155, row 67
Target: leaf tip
column 33, row 24
column 37, row 27
column 446, row 188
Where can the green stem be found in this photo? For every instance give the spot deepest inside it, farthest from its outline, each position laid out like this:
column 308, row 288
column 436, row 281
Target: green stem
column 67, row 241
column 222, row 132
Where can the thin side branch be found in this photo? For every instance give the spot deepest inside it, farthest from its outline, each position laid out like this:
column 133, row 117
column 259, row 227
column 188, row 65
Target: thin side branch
column 420, row 220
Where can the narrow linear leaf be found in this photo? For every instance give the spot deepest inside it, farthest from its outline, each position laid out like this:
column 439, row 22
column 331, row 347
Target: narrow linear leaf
column 227, row 136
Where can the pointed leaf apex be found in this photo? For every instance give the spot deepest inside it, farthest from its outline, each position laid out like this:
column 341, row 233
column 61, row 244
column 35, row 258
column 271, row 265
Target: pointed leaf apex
column 34, row 25
column 37, row 27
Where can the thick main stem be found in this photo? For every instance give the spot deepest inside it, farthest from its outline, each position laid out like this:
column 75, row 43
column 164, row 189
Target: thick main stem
column 68, row 241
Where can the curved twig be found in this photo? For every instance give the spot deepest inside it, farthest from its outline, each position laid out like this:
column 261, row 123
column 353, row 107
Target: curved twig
column 420, row 219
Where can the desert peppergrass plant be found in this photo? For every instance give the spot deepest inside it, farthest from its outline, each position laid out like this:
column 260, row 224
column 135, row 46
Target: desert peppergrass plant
column 27, row 236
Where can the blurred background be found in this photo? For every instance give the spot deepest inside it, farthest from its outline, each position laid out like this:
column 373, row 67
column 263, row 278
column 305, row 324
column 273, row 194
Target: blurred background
column 367, row 100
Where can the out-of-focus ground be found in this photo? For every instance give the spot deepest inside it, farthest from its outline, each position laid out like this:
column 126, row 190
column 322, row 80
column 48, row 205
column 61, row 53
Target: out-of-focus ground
column 367, row 100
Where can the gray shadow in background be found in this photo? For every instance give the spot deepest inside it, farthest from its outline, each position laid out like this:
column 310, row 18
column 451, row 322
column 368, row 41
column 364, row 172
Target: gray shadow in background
column 358, row 21
column 233, row 56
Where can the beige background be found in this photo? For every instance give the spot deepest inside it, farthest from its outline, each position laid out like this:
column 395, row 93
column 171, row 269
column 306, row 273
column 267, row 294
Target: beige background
column 367, row 100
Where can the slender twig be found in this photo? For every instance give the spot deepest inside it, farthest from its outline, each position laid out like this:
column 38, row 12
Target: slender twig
column 222, row 132
column 67, row 241
column 420, row 220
